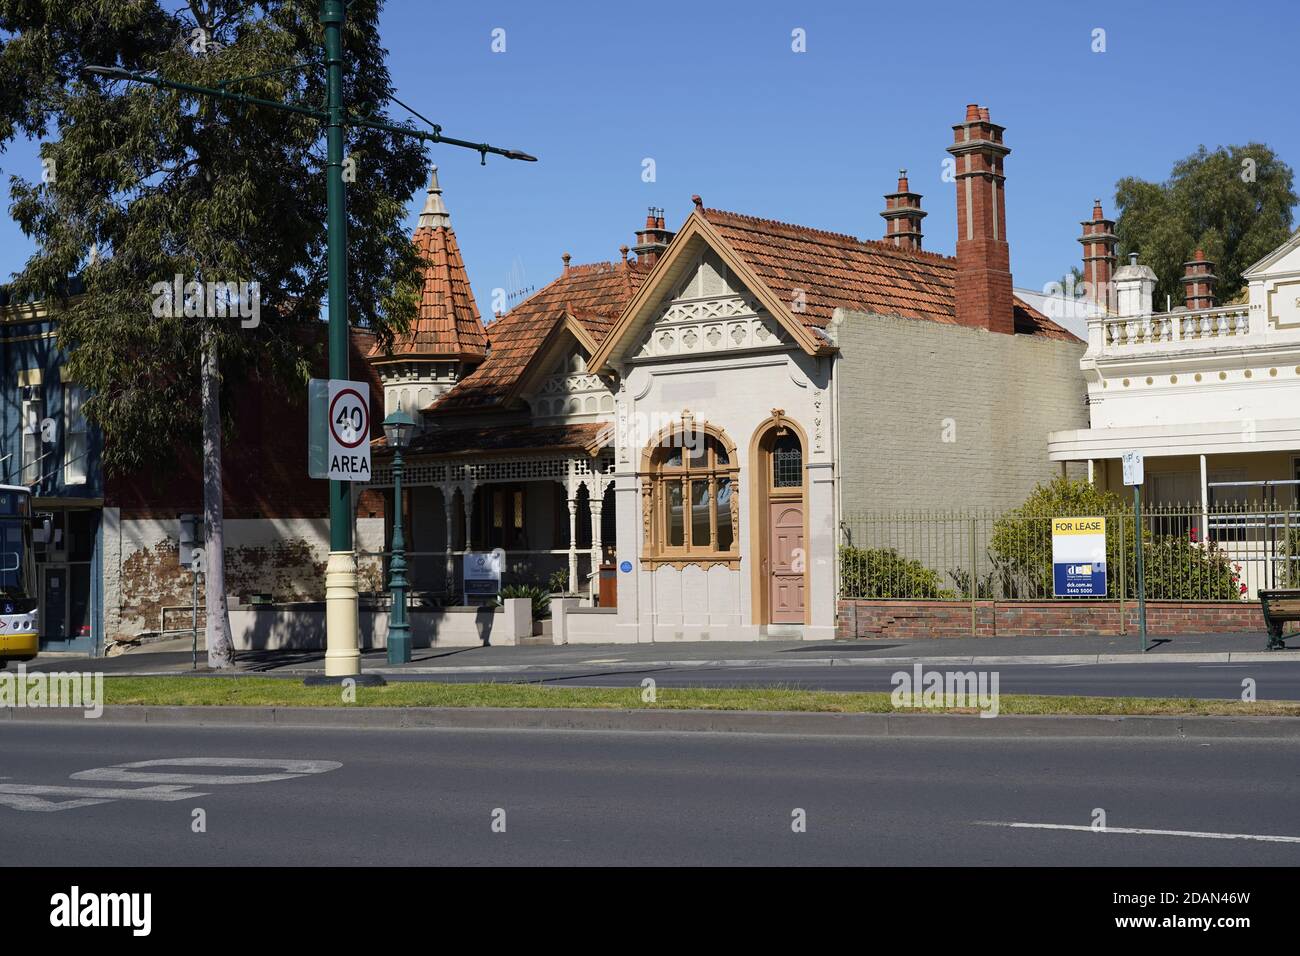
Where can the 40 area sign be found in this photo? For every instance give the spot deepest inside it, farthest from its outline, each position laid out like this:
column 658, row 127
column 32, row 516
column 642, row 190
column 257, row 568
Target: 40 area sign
column 339, row 427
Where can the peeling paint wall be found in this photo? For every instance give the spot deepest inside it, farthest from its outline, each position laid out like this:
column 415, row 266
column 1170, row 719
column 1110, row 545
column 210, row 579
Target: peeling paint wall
column 284, row 558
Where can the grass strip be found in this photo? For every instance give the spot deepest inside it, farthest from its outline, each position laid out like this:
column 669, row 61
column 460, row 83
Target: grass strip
column 278, row 692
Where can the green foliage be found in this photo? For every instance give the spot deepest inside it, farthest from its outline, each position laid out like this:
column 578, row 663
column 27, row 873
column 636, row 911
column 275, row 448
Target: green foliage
column 1021, row 544
column 1177, row 569
column 1206, row 203
column 540, row 597
column 162, row 183
column 884, row 573
column 558, row 582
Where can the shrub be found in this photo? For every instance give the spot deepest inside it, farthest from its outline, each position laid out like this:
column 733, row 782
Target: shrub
column 884, row 573
column 540, row 597
column 558, row 582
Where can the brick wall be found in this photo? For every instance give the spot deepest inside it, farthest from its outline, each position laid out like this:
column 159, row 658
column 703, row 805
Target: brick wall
column 915, row 619
column 939, row 416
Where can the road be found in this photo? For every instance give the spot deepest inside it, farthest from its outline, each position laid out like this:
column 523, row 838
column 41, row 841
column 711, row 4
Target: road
column 1272, row 681
column 431, row 797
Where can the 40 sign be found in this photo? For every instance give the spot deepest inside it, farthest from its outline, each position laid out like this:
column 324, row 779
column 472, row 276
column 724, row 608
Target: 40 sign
column 339, row 430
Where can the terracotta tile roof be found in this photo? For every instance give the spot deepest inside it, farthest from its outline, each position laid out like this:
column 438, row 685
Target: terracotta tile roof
column 447, row 322
column 586, row 436
column 834, row 270
column 593, row 294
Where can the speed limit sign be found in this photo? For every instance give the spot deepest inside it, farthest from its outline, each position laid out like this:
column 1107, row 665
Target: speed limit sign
column 349, row 430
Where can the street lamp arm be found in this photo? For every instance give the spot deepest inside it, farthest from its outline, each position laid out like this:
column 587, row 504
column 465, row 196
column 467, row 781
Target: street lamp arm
column 116, row 73
column 435, row 136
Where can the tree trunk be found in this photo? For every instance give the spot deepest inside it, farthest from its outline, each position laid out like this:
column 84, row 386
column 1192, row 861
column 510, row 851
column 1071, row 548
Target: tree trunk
column 221, row 652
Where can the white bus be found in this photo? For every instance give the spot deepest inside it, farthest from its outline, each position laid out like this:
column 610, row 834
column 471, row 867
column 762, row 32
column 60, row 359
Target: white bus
column 19, row 602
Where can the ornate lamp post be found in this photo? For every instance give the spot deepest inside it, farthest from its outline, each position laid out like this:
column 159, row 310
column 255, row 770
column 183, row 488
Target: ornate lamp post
column 398, row 428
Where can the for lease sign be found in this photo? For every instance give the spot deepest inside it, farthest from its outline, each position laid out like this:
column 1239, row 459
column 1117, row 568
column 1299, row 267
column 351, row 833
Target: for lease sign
column 1079, row 557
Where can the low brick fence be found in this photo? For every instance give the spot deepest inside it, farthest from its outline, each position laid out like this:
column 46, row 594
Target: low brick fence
column 911, row 619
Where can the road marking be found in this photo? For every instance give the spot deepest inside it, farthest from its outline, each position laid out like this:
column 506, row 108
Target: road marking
column 162, row 786
column 1141, row 831
column 139, row 773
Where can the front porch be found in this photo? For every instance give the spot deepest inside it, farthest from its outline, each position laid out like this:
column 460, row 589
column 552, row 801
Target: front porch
column 1246, row 503
column 552, row 517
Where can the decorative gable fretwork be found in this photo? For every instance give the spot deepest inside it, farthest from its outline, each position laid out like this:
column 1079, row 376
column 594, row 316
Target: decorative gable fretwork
column 701, row 326
column 571, row 392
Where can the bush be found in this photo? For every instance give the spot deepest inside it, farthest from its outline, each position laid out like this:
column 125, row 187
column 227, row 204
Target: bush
column 884, row 573
column 558, row 582
column 540, row 597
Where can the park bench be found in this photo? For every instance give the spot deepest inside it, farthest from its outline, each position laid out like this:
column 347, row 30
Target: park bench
column 1279, row 607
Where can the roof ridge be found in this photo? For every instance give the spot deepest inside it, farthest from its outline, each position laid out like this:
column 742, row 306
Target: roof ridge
column 875, row 243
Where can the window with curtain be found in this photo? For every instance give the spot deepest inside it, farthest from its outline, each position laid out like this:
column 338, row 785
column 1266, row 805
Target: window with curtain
column 691, row 507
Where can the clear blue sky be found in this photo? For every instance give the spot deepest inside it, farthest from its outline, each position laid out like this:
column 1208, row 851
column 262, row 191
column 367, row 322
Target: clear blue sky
column 713, row 93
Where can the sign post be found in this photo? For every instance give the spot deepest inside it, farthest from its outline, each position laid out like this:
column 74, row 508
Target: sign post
column 1134, row 475
column 338, row 442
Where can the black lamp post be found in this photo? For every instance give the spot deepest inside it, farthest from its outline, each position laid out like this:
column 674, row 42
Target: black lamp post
column 398, row 428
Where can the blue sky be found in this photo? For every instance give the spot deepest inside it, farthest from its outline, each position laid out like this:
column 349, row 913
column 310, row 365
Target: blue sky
column 712, row 92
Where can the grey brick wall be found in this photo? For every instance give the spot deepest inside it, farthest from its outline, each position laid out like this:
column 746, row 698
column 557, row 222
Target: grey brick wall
column 904, row 383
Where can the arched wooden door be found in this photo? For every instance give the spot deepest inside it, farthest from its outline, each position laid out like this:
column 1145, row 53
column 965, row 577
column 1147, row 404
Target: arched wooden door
column 782, row 584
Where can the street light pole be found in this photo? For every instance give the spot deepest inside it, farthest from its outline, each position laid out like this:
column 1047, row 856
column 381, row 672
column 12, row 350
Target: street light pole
column 398, row 428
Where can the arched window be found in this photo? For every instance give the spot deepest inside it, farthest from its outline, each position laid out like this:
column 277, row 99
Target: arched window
column 690, row 506
column 787, row 461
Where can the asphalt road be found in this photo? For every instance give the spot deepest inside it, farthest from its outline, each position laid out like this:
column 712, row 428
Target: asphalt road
column 1278, row 680
column 430, row 797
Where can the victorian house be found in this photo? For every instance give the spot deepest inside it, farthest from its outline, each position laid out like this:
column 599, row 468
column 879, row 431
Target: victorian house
column 692, row 420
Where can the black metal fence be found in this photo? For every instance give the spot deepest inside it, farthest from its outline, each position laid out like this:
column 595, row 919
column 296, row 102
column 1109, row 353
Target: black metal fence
column 1190, row 553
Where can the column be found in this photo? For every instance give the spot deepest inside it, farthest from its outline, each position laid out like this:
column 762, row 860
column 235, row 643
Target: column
column 597, row 504
column 449, row 516
column 1205, row 502
column 573, row 541
column 467, row 493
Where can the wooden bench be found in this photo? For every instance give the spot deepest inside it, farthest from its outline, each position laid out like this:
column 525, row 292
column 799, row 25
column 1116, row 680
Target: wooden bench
column 1279, row 607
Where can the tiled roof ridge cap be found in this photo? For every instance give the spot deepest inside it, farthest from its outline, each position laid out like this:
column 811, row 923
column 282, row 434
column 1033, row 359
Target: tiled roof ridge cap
column 875, row 243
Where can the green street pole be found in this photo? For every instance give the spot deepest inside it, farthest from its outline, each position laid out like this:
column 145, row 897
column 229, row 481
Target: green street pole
column 1141, row 585
column 399, row 629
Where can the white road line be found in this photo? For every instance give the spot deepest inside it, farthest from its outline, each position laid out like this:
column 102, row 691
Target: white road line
column 1141, row 831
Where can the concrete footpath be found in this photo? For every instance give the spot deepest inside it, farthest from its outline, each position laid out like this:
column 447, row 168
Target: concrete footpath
column 675, row 721
column 174, row 657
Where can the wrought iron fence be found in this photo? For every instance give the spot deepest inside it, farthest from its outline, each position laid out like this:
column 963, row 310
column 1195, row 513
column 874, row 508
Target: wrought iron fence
column 1225, row 552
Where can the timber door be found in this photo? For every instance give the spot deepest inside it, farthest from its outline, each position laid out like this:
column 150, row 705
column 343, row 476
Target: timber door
column 785, row 562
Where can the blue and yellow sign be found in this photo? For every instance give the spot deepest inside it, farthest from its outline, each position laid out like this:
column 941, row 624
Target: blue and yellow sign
column 1079, row 557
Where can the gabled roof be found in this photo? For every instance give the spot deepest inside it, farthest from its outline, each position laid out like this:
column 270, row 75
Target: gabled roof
column 784, row 263
column 586, row 298
column 447, row 323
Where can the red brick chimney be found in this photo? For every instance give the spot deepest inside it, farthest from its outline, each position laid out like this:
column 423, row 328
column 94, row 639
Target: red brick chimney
column 1099, row 241
column 653, row 239
column 1198, row 282
column 903, row 215
column 983, row 280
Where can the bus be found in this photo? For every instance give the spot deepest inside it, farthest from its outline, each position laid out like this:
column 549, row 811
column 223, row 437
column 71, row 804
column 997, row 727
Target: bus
column 19, row 625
